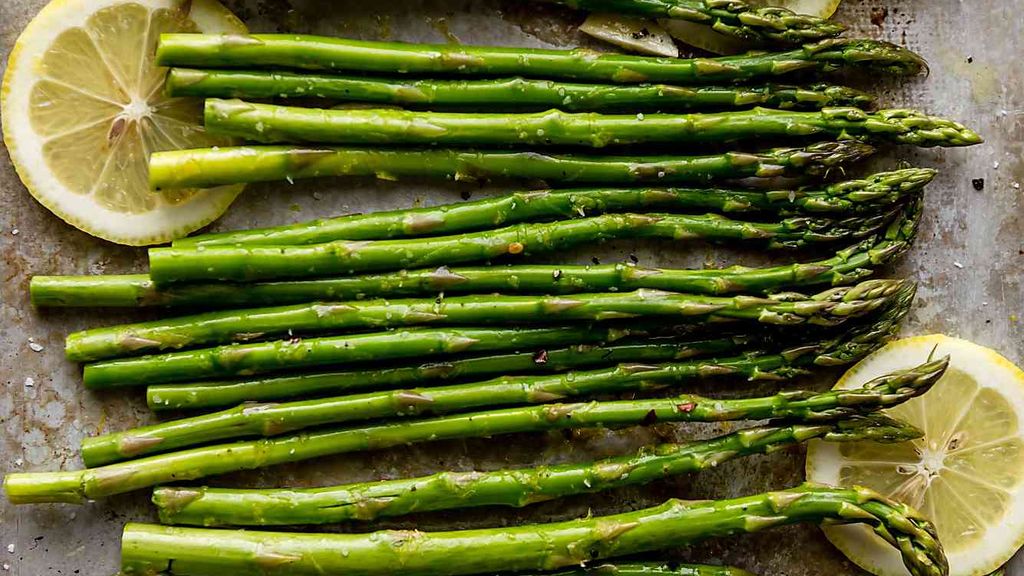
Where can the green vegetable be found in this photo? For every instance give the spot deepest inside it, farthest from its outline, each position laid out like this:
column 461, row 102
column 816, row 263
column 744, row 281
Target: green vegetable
column 205, row 168
column 194, row 395
column 271, row 123
column 151, row 549
column 274, row 419
column 249, row 263
column 111, row 479
column 323, row 53
column 862, row 196
column 848, row 265
column 828, row 308
column 514, row 93
column 343, row 350
column 731, row 17
column 517, row 488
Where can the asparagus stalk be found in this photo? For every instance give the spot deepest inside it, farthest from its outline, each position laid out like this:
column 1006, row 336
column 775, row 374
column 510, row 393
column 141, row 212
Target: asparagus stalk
column 130, row 291
column 650, row 569
column 262, row 357
column 209, row 167
column 271, row 123
column 152, row 549
column 734, row 18
column 248, row 263
column 516, row 93
column 323, row 53
column 273, row 419
column 194, row 395
column 829, row 308
column 516, row 488
column 76, row 486
column 862, row 196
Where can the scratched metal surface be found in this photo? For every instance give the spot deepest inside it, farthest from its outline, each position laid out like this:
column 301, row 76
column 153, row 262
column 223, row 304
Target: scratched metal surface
column 969, row 262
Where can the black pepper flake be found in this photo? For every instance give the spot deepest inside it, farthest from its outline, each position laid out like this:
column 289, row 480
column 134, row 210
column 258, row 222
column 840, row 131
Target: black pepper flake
column 540, row 357
column 978, row 183
column 466, row 194
column 595, row 260
column 634, row 259
column 650, row 418
column 970, row 59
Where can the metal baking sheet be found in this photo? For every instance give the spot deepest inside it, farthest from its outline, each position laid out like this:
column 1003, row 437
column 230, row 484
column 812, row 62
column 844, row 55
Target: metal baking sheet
column 968, row 261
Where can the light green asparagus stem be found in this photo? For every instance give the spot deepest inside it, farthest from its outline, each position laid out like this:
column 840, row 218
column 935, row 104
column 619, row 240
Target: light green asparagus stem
column 75, row 486
column 323, row 53
column 260, row 358
column 847, row 266
column 828, row 308
column 274, row 419
column 152, row 549
column 271, row 123
column 516, row 488
column 248, row 263
column 195, row 395
column 515, row 93
column 206, row 168
column 862, row 196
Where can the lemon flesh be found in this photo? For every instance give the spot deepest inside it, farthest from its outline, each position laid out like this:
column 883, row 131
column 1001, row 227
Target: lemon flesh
column 83, row 107
column 966, row 473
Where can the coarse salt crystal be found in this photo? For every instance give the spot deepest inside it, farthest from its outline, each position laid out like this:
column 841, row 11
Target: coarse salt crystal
column 34, row 346
column 15, row 232
column 29, row 382
column 958, row 265
column 10, row 548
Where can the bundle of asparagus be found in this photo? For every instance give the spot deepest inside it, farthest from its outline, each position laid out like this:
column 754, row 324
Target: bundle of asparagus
column 516, row 347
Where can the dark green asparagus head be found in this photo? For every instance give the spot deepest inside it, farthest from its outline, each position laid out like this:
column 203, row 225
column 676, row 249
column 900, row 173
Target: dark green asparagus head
column 767, row 24
column 908, row 531
column 874, row 55
column 875, row 427
column 862, row 339
column 815, row 159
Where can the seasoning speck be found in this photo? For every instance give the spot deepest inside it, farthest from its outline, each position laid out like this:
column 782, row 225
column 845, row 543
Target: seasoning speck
column 15, row 232
column 515, row 248
column 595, row 260
column 34, row 346
column 978, row 183
column 29, row 382
column 10, row 548
column 540, row 357
column 958, row 265
column 640, row 116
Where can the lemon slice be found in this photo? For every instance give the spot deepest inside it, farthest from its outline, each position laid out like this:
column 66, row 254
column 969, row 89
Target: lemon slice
column 966, row 474
column 703, row 37
column 83, row 107
column 638, row 35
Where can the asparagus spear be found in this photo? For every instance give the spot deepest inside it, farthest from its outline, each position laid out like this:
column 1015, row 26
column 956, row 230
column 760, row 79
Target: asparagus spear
column 516, row 488
column 861, row 196
column 650, row 569
column 848, row 265
column 514, row 93
column 828, row 308
column 209, row 167
column 76, row 486
column 295, row 353
column 323, row 53
column 193, row 395
column 271, row 123
column 731, row 17
column 273, row 419
column 248, row 263
column 151, row 549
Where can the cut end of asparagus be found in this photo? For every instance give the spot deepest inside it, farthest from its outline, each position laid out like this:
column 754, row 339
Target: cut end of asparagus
column 42, row 487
